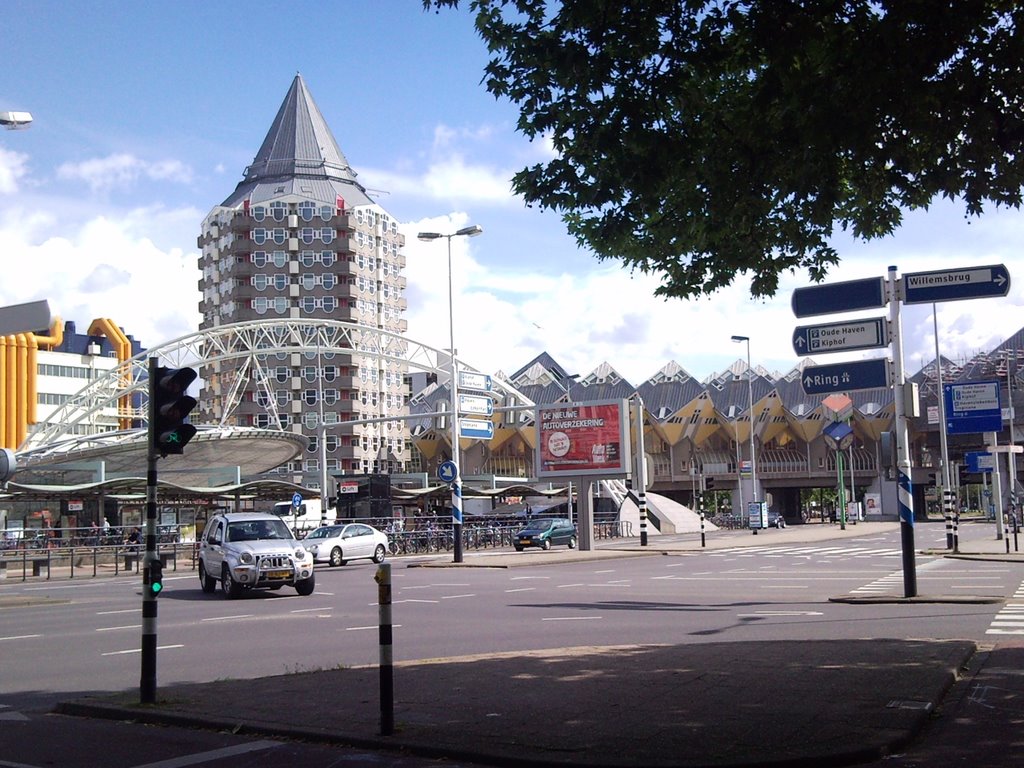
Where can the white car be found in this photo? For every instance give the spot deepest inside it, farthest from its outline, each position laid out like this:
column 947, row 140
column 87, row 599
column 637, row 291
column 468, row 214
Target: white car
column 252, row 550
column 337, row 544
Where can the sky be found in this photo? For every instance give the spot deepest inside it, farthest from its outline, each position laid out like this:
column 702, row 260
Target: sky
column 147, row 114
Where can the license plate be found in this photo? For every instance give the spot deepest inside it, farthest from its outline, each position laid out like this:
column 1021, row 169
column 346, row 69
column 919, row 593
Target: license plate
column 278, row 574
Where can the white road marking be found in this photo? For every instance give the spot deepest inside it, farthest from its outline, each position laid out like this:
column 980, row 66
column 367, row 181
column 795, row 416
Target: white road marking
column 19, row 637
column 230, row 618
column 522, row 589
column 572, row 618
column 211, row 755
column 139, row 650
column 115, row 629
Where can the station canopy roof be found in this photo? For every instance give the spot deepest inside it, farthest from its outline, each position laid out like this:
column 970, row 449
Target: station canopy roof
column 130, row 488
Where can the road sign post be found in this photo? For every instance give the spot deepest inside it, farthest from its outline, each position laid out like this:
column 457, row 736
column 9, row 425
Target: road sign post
column 830, row 298
column 956, row 284
column 841, row 337
column 846, row 377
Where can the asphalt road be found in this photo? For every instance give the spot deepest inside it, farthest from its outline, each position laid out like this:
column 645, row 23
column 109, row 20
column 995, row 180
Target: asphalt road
column 67, row 638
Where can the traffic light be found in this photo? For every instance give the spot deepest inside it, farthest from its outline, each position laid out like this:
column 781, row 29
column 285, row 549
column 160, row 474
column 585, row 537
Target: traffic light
column 709, row 483
column 169, row 406
column 155, row 584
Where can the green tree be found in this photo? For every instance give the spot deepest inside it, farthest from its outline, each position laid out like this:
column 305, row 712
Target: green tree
column 697, row 140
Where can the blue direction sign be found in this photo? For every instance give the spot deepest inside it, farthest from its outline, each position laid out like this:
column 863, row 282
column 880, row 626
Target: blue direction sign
column 979, row 461
column 447, row 471
column 477, row 429
column 841, row 337
column 972, row 407
column 846, row 377
column 956, row 284
column 296, row 500
column 868, row 293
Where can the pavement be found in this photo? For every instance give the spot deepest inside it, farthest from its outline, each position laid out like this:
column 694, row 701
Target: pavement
column 673, row 704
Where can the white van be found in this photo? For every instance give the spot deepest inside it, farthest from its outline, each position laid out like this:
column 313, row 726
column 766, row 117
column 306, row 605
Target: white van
column 305, row 517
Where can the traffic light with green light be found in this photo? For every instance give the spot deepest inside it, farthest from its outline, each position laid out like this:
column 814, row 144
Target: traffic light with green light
column 169, row 407
column 156, row 578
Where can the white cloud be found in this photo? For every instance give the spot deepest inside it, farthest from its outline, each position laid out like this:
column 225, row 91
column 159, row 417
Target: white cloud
column 13, row 166
column 121, row 171
column 101, row 269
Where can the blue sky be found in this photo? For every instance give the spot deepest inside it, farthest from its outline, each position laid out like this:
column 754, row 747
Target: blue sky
column 146, row 114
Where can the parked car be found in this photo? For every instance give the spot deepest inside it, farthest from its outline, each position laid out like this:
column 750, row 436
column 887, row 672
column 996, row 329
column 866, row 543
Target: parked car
column 338, row 544
column 252, row 550
column 546, row 532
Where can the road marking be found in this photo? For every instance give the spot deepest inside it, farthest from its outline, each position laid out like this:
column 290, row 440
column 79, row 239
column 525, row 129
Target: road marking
column 139, row 650
column 115, row 629
column 1010, row 619
column 571, row 618
column 782, row 613
column 369, row 626
column 608, row 570
column 564, row 586
column 19, row 637
column 213, row 754
column 312, row 610
column 230, row 618
column 452, row 597
column 111, row 613
column 522, row 589
column 408, row 600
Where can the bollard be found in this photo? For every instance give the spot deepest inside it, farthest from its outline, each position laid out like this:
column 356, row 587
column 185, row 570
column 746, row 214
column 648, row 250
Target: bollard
column 387, row 686
column 703, row 542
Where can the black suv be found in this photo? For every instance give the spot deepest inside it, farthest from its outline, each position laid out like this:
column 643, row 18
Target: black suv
column 544, row 532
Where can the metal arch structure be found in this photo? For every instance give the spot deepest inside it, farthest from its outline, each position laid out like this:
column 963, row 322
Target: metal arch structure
column 251, row 341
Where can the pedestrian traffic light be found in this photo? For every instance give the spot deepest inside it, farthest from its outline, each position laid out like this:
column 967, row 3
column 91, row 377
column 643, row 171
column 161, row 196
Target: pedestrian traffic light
column 156, row 578
column 169, row 406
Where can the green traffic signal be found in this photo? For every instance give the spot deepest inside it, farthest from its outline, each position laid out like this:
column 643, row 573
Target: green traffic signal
column 169, row 406
column 156, row 578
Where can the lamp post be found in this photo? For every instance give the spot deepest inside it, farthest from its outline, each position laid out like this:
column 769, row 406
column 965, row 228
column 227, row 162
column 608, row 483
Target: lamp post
column 470, row 231
column 14, row 121
column 750, row 406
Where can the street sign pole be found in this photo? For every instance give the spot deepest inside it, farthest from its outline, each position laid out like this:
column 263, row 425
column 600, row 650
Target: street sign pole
column 905, row 494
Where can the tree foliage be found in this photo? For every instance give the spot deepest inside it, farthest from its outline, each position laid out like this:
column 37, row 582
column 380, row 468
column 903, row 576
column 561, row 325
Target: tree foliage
column 701, row 139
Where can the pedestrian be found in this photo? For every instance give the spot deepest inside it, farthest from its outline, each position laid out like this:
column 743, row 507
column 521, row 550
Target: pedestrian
column 134, row 540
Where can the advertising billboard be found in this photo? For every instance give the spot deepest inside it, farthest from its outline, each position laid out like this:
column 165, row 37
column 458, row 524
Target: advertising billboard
column 583, row 439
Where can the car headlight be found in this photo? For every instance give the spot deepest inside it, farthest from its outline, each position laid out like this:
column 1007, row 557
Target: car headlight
column 245, row 557
column 300, row 554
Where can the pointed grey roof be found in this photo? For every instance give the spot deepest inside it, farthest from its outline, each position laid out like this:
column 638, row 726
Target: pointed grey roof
column 300, row 157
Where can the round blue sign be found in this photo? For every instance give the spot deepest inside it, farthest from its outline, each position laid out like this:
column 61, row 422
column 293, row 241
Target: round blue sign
column 296, row 499
column 448, row 471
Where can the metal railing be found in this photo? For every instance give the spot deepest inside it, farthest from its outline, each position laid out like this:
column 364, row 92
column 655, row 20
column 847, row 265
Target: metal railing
column 89, row 561
column 55, row 559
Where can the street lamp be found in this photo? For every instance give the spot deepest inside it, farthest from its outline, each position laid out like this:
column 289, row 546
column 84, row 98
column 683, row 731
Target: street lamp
column 470, row 231
column 14, row 121
column 750, row 404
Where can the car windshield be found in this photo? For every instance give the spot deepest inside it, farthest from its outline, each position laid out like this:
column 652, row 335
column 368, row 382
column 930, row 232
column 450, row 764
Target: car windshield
column 257, row 530
column 538, row 526
column 325, row 533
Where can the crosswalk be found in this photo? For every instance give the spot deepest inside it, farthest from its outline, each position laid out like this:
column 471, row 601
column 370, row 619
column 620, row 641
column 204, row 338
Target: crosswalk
column 808, row 552
column 1010, row 619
